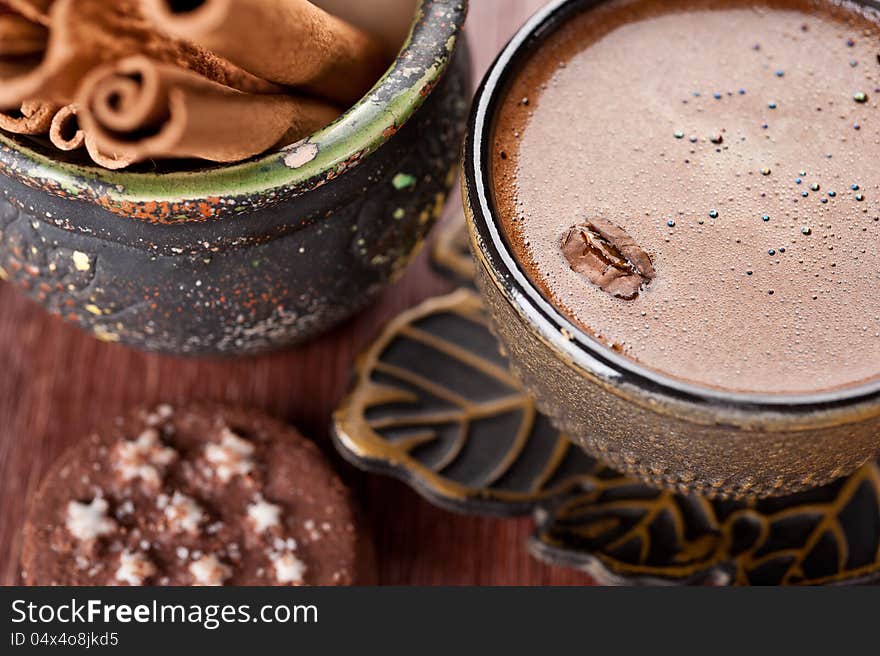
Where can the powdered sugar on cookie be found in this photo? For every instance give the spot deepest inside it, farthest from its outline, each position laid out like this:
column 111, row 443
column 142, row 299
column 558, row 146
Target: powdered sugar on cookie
column 263, row 515
column 145, row 458
column 209, row 570
column 87, row 521
column 183, row 513
column 232, row 457
column 161, row 414
column 288, row 568
column 134, row 568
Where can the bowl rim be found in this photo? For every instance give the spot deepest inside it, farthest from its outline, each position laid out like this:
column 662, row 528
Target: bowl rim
column 542, row 316
column 361, row 130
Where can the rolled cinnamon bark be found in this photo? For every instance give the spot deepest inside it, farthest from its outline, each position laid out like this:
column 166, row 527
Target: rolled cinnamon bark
column 86, row 33
column 139, row 109
column 20, row 36
column 65, row 132
column 109, row 160
column 33, row 117
column 290, row 42
column 36, row 11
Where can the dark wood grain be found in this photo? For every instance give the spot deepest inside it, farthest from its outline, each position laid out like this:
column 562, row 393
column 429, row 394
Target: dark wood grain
column 57, row 384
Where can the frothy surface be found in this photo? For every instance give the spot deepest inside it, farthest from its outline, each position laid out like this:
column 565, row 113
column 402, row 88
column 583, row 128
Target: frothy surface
column 732, row 142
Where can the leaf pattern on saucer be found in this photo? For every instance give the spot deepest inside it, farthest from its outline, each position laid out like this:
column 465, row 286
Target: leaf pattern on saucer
column 435, row 405
column 622, row 531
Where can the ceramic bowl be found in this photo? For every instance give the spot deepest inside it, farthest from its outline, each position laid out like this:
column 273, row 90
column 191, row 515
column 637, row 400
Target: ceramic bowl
column 268, row 252
column 666, row 432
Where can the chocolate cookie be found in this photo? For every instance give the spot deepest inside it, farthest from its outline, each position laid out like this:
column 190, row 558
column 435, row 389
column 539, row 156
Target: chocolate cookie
column 197, row 495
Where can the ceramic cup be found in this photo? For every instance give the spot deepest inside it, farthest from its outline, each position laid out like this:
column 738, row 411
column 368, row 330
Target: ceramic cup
column 242, row 258
column 665, row 431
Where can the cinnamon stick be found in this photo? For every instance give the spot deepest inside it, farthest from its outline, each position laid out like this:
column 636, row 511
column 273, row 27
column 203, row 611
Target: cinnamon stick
column 20, row 36
column 33, row 117
column 86, row 33
column 36, row 11
column 291, row 42
column 65, row 132
column 107, row 159
column 20, row 39
column 139, row 109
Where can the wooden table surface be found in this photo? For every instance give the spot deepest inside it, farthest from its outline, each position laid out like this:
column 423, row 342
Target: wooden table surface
column 57, row 383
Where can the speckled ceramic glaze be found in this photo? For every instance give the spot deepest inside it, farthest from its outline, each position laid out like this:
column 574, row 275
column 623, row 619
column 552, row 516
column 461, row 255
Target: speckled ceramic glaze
column 662, row 430
column 242, row 258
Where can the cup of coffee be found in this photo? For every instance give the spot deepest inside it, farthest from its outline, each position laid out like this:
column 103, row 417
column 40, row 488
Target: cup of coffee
column 675, row 212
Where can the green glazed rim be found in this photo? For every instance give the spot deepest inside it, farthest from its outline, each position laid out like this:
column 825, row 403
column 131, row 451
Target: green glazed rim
column 205, row 193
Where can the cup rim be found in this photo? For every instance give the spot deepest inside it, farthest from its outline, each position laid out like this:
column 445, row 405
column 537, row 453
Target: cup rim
column 539, row 313
column 361, row 130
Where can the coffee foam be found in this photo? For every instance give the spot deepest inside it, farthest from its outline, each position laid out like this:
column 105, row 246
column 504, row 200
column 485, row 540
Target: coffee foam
column 619, row 116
